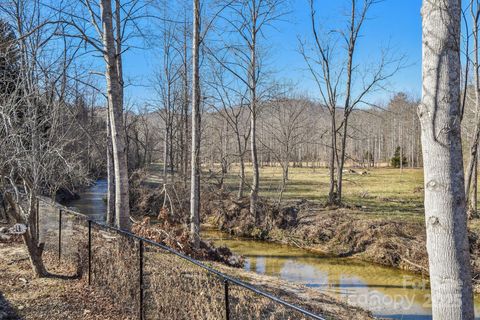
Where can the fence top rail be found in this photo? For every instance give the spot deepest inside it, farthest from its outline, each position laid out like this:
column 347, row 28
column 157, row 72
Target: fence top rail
column 221, row 275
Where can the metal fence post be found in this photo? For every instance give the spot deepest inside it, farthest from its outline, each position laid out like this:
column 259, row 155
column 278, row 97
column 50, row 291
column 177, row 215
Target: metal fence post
column 141, row 248
column 89, row 252
column 227, row 302
column 59, row 234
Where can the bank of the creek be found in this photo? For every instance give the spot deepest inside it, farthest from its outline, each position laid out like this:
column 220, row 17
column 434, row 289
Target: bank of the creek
column 386, row 292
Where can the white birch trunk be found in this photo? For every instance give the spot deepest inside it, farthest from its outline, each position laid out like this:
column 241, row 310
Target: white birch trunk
column 115, row 100
column 110, row 219
column 439, row 113
column 253, row 116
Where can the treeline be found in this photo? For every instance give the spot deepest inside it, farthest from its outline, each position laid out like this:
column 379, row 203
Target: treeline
column 295, row 130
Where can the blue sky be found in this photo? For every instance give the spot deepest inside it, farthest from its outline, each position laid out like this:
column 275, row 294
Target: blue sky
column 396, row 23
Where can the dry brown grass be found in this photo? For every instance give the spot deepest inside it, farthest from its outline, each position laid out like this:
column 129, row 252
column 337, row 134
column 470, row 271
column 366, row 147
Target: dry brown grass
column 52, row 298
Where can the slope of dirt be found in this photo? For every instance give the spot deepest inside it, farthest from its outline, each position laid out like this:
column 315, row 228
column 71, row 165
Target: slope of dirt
column 310, row 299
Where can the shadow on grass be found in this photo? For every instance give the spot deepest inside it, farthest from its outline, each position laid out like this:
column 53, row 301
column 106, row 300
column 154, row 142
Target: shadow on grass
column 6, row 310
column 62, row 277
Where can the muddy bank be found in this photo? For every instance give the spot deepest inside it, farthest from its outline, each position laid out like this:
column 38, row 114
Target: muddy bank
column 176, row 236
column 337, row 232
column 307, row 298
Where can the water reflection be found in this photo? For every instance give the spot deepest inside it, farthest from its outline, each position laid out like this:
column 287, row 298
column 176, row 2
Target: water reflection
column 387, row 292
column 92, row 201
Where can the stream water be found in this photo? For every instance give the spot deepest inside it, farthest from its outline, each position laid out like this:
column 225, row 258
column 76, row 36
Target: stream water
column 387, row 292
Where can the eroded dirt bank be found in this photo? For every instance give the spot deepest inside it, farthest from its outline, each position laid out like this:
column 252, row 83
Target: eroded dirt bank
column 342, row 232
column 300, row 295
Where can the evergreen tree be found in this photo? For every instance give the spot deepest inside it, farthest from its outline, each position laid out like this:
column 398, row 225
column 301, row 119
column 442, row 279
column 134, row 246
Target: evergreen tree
column 9, row 59
column 395, row 160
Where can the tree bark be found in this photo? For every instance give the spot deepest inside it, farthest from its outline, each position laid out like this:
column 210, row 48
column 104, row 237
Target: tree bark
column 470, row 182
column 195, row 152
column 115, row 100
column 165, row 153
column 241, row 158
column 110, row 219
column 31, row 236
column 185, row 104
column 341, row 162
column 445, row 211
column 253, row 117
column 333, row 138
column 473, row 200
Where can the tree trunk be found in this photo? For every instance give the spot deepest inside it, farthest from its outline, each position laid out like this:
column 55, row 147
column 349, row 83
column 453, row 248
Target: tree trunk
column 253, row 122
column 110, row 219
column 35, row 252
column 476, row 137
column 439, row 113
column 31, row 236
column 241, row 185
column 341, row 162
column 241, row 158
column 165, row 153
column 401, row 147
column 170, row 151
column 185, row 104
column 472, row 210
column 195, row 152
column 333, row 132
column 115, row 100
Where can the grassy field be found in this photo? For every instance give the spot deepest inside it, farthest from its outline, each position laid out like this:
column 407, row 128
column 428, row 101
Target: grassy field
column 382, row 191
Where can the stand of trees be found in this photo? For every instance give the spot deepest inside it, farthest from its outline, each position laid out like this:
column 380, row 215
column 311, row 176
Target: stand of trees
column 300, row 125
column 217, row 105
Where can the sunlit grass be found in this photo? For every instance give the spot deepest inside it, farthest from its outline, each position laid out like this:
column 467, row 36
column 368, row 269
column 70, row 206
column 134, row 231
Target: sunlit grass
column 386, row 193
column 382, row 191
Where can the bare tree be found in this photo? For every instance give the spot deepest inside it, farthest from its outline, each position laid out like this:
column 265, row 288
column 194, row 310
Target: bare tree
column 248, row 19
column 231, row 105
column 287, row 127
column 334, row 74
column 195, row 151
column 40, row 141
column 168, row 88
column 107, row 32
column 472, row 167
column 440, row 114
column 115, row 103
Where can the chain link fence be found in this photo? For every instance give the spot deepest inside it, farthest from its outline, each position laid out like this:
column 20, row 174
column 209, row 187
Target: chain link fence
column 147, row 280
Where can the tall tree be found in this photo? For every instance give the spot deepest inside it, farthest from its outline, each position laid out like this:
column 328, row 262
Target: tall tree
column 231, row 99
column 108, row 31
column 472, row 167
column 249, row 19
column 115, row 113
column 440, row 114
column 195, row 152
column 42, row 149
column 334, row 73
column 167, row 87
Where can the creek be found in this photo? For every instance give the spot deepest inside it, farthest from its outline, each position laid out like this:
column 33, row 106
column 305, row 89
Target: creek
column 386, row 292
